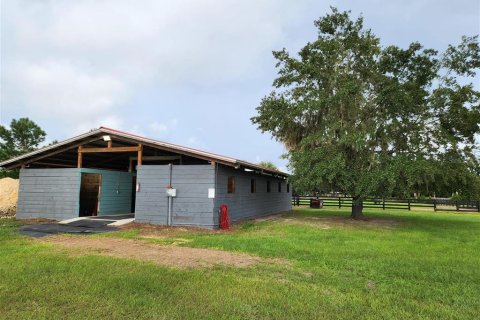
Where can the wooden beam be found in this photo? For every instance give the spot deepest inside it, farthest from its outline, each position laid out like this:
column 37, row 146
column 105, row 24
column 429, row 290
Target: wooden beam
column 112, row 149
column 152, row 158
column 80, row 157
column 173, row 150
column 139, row 155
column 52, row 153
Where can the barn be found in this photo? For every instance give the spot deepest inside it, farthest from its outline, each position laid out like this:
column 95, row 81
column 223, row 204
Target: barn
column 108, row 172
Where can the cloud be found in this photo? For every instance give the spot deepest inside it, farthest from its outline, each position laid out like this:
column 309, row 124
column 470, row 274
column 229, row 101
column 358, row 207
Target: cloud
column 80, row 61
column 160, row 130
column 61, row 89
column 112, row 121
column 158, row 127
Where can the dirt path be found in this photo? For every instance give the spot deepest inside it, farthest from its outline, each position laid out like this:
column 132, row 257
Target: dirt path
column 168, row 255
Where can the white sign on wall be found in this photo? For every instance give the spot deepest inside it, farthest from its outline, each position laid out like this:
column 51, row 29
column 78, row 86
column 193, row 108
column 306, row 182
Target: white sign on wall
column 211, row 193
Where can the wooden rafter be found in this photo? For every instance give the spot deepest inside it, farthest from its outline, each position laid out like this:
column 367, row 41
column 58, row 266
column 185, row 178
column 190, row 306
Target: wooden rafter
column 23, row 163
column 111, row 149
column 153, row 158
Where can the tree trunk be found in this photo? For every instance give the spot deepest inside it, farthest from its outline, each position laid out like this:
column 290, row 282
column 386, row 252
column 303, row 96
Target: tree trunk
column 357, row 208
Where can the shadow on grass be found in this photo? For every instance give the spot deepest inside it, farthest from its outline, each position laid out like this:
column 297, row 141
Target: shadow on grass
column 431, row 222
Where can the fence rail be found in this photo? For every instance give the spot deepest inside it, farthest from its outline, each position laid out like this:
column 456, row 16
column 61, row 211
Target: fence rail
column 402, row 204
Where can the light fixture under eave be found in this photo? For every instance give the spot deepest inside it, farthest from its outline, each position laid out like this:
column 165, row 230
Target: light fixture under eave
column 107, row 138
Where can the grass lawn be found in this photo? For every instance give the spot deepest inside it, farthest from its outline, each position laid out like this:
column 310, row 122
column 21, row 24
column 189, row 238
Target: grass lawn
column 316, row 264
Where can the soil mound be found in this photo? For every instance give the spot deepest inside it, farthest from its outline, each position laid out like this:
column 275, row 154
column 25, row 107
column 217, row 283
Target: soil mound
column 8, row 196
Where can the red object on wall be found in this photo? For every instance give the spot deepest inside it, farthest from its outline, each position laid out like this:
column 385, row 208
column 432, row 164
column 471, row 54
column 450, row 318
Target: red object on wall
column 224, row 222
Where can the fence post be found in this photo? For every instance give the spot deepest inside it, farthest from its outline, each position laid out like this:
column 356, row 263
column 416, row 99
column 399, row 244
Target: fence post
column 478, row 205
column 383, row 203
column 409, row 206
column 434, row 204
column 339, row 202
column 456, row 203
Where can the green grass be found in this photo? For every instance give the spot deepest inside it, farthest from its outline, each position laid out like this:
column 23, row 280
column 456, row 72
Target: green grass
column 401, row 265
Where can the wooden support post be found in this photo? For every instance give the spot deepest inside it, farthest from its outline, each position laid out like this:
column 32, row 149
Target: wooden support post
column 109, row 144
column 80, row 157
column 139, row 156
column 130, row 165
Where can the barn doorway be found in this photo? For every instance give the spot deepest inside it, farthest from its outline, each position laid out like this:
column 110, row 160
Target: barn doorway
column 90, row 188
column 134, row 194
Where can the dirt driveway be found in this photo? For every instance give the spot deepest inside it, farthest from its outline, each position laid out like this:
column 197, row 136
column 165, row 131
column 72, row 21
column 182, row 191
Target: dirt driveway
column 168, row 255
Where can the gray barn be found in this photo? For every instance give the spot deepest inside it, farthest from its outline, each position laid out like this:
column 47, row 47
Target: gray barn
column 109, row 172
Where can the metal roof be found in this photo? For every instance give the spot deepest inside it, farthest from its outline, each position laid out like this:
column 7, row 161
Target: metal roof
column 26, row 158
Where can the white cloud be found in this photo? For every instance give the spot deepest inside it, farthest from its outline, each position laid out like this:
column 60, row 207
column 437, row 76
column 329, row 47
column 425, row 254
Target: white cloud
column 112, row 121
column 195, row 142
column 77, row 60
column 61, row 90
column 158, row 127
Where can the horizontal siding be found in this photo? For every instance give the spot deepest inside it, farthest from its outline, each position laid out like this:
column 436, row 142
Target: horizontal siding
column 49, row 193
column 191, row 206
column 151, row 202
column 242, row 204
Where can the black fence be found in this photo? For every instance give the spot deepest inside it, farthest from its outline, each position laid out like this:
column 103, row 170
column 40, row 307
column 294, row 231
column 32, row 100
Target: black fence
column 402, row 204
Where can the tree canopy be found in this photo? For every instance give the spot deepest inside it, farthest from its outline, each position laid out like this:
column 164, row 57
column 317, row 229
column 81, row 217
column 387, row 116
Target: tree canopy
column 377, row 120
column 268, row 165
column 23, row 136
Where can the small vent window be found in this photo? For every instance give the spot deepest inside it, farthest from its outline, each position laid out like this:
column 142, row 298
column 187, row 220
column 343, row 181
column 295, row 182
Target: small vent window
column 253, row 186
column 231, row 184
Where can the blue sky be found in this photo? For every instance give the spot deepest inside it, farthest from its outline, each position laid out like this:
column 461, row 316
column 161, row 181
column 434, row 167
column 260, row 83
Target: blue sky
column 190, row 71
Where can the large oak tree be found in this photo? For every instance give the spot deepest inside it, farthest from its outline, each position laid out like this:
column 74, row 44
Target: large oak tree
column 374, row 120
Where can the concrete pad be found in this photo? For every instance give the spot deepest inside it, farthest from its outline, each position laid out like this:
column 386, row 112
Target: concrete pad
column 72, row 220
column 42, row 230
column 121, row 222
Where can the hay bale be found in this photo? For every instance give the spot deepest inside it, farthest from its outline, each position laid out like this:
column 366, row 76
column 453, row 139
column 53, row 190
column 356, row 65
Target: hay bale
column 8, row 196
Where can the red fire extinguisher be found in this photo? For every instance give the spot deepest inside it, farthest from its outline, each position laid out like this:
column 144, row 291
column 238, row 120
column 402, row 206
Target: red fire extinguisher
column 224, row 222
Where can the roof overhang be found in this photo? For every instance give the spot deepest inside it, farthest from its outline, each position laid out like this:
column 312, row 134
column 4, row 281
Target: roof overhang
column 98, row 134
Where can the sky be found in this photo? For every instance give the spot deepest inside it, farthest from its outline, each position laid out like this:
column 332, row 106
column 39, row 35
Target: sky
column 189, row 72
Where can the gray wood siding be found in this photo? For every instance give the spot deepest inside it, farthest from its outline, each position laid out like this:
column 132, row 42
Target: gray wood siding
column 49, row 193
column 242, row 204
column 191, row 206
